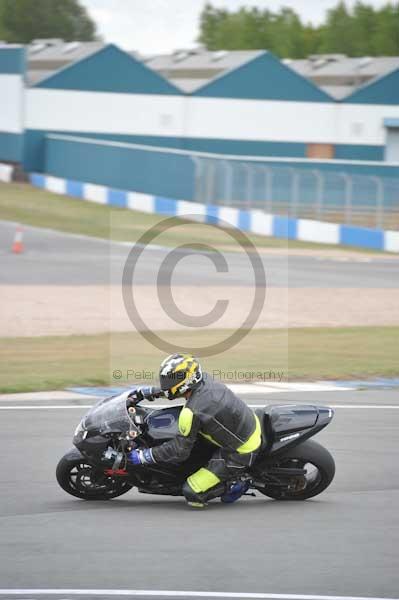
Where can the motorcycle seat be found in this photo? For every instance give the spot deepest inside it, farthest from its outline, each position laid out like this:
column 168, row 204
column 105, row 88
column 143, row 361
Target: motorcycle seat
column 279, row 419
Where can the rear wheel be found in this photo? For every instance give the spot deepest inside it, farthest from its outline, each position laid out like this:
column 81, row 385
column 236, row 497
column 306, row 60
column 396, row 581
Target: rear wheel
column 318, row 468
column 79, row 478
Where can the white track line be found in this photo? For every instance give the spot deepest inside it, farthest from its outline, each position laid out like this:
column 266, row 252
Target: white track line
column 80, row 406
column 182, row 594
column 43, row 406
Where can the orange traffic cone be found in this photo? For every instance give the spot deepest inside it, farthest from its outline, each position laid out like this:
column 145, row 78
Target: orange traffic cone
column 18, row 245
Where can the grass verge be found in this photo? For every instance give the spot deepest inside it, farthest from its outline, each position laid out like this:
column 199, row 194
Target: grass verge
column 46, row 363
column 28, row 205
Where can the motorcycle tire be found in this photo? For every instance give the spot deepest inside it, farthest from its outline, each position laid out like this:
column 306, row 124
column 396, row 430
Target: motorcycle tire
column 307, row 453
column 74, row 473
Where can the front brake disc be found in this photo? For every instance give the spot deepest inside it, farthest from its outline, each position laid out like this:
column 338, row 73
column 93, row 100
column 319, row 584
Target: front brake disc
column 84, row 480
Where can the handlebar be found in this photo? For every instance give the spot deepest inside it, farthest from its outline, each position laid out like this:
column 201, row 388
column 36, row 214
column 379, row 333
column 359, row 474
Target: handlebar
column 145, row 393
column 156, row 392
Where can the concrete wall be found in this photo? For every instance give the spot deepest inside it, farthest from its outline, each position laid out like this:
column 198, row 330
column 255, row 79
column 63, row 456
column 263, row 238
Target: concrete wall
column 171, row 172
column 121, row 165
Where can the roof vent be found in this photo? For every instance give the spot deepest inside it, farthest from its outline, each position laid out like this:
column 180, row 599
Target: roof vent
column 193, row 51
column 48, row 41
column 365, row 61
column 70, row 47
column 218, row 55
column 36, row 48
column 180, row 55
column 320, row 62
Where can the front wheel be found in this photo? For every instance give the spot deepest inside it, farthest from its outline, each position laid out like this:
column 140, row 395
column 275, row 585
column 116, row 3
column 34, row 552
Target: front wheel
column 318, row 469
column 79, row 478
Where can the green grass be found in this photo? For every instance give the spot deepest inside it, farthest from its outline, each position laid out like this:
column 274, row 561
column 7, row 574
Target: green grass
column 32, row 206
column 47, row 363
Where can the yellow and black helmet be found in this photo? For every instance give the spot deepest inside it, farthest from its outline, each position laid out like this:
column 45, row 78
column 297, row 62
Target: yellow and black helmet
column 178, row 374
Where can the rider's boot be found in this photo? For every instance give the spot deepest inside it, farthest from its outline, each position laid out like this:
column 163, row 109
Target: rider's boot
column 200, row 500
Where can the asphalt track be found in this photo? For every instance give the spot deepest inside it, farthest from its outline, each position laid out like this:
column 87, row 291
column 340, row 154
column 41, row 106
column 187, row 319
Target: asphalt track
column 58, row 258
column 343, row 543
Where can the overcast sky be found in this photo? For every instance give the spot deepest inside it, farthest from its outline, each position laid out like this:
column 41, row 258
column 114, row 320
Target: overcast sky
column 152, row 26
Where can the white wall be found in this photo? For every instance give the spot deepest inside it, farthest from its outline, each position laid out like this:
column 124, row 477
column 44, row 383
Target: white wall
column 215, row 118
column 100, row 112
column 310, row 122
column 11, row 103
column 261, row 120
column 363, row 123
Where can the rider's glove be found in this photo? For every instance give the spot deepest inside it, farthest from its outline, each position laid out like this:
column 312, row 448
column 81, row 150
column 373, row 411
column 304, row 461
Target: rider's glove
column 141, row 457
column 143, row 393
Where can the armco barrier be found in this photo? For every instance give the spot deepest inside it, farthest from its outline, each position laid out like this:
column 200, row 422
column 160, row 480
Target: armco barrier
column 120, row 165
column 254, row 221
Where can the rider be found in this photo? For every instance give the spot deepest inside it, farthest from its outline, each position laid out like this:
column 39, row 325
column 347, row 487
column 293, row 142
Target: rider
column 214, row 412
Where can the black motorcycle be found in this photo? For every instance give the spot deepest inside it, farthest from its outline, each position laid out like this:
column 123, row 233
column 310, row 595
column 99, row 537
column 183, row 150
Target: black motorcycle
column 289, row 466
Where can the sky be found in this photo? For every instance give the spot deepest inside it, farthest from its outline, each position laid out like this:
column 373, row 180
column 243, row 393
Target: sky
column 161, row 26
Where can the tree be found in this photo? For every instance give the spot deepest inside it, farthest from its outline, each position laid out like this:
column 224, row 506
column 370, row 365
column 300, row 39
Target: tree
column 288, row 34
column 210, row 21
column 21, row 21
column 3, row 33
column 364, row 30
column 338, row 31
column 386, row 36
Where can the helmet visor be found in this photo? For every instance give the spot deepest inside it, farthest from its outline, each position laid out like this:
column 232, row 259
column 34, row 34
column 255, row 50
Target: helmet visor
column 172, row 380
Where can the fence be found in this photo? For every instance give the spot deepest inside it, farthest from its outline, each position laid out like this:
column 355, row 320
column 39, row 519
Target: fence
column 353, row 199
column 365, row 194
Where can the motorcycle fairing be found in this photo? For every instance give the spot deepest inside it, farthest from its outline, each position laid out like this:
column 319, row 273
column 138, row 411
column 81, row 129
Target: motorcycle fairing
column 110, row 415
column 288, row 425
column 162, row 424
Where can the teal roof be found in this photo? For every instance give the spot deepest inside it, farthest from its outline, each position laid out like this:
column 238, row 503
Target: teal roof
column 263, row 78
column 384, row 90
column 109, row 70
column 12, row 60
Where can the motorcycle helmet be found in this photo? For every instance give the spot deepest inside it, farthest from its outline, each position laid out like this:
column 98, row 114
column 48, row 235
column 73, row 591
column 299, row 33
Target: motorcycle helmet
column 178, row 374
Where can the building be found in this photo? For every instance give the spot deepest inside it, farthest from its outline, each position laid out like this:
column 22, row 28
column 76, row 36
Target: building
column 45, row 56
column 339, row 75
column 241, row 103
column 336, row 74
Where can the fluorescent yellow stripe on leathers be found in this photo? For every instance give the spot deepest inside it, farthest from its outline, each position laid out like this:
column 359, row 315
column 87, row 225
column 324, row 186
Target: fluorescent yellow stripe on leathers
column 202, row 480
column 185, row 421
column 254, row 440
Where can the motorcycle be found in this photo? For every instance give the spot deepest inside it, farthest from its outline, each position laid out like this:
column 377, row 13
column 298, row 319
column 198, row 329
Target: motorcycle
column 289, row 465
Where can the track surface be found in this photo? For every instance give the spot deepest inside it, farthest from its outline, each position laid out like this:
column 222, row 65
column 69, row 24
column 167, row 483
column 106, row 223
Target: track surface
column 64, row 259
column 343, row 543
